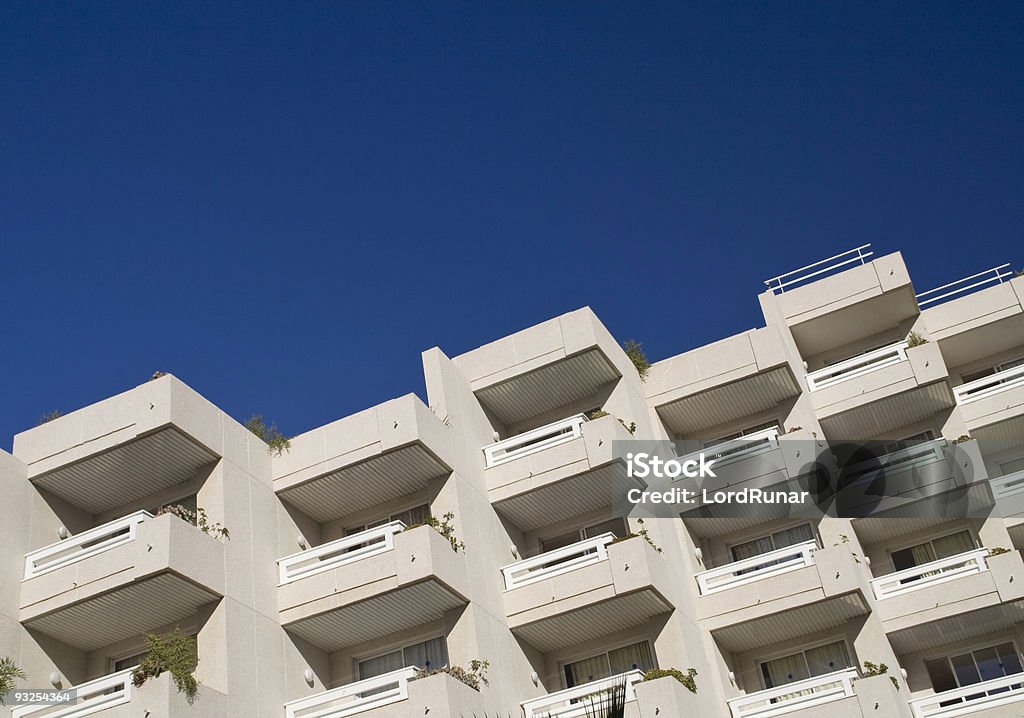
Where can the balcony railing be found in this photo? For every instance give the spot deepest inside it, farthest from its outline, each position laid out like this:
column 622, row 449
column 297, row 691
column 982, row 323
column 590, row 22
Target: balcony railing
column 740, row 448
column 90, row 698
column 795, row 696
column 857, row 366
column 1008, row 485
column 989, row 385
column 930, row 574
column 559, row 561
column 530, row 442
column 859, row 255
column 340, row 552
column 354, row 698
column 83, row 545
column 996, row 275
column 918, row 455
column 575, row 702
column 971, row 699
column 757, row 567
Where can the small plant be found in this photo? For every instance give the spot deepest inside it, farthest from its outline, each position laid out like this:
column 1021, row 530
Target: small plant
column 444, row 527
column 597, row 414
column 915, row 340
column 795, row 429
column 998, row 551
column 688, row 679
column 49, row 416
column 635, row 351
column 642, row 533
column 9, row 674
column 173, row 653
column 874, row 669
column 197, row 518
column 631, row 427
column 156, row 375
column 962, row 439
column 277, row 443
column 609, row 703
column 472, row 676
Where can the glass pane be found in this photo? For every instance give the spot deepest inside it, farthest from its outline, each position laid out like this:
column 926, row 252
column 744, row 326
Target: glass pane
column 952, row 545
column 380, row 665
column 752, row 548
column 631, row 657
column 989, row 665
column 826, row 659
column 587, row 670
column 1009, row 658
column 429, row 654
column 793, row 536
column 964, row 669
column 941, row 675
column 557, row 542
column 913, row 556
column 785, row 670
column 615, row 526
column 1012, row 466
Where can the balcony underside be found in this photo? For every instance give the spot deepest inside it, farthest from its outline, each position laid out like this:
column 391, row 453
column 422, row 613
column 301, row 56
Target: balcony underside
column 704, row 523
column 877, row 418
column 835, row 326
column 960, row 627
column 568, row 498
column 1003, row 434
column 786, row 625
column 131, row 471
column 730, row 402
column 875, row 530
column 555, row 385
column 368, row 483
column 382, row 615
column 124, row 613
column 583, row 624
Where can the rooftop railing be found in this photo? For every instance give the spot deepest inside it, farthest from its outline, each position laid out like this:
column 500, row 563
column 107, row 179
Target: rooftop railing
column 559, row 561
column 82, row 546
column 996, row 275
column 90, row 697
column 795, row 696
column 577, row 702
column 354, row 698
column 339, row 552
column 779, row 284
column 968, row 700
column 756, row 568
column 857, row 366
column 530, row 442
column 930, row 574
column 988, row 385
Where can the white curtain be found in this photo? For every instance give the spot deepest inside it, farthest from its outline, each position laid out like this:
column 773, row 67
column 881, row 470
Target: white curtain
column 587, row 670
column 429, row 654
column 380, row 665
column 626, row 659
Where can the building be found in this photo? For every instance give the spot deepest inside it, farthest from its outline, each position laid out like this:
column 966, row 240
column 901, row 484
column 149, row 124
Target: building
column 330, row 590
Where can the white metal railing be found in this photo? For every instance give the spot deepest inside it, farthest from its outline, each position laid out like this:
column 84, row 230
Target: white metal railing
column 757, row 567
column 988, row 385
column 742, row 447
column 90, row 697
column 83, row 545
column 795, row 696
column 930, row 574
column 1008, row 485
column 995, row 275
column 857, row 366
column 530, row 442
column 971, row 699
column 927, row 452
column 355, row 697
column 574, row 702
column 561, row 560
column 777, row 285
column 339, row 552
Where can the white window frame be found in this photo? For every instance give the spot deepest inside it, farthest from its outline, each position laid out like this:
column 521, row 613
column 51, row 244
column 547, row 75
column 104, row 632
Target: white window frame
column 931, row 537
column 587, row 655
column 803, row 648
column 971, row 648
column 399, row 647
column 758, row 536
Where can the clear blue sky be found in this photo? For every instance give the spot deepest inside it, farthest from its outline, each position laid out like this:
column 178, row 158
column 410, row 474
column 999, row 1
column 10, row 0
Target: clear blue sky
column 285, row 204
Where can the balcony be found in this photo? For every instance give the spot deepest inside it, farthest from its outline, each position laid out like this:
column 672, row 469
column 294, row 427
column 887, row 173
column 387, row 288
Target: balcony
column 1008, row 494
column 581, row 701
column 378, row 581
column 130, row 446
column 972, row 699
column 530, row 477
column 782, row 594
column 880, row 391
column 840, row 300
column 724, row 382
column 114, row 696
column 993, row 398
column 398, row 694
column 586, row 590
column 76, row 590
column 796, row 696
column 363, row 460
column 973, row 582
column 546, row 367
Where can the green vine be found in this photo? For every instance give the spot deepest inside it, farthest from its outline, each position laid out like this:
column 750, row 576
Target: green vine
column 472, row 676
column 635, row 351
column 642, row 533
column 277, row 443
column 688, row 679
column 173, row 653
column 915, row 340
column 444, row 527
column 197, row 518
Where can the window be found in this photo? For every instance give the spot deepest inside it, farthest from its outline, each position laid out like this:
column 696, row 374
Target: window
column 932, row 550
column 743, row 432
column 615, row 526
column 432, row 653
column 807, row 663
column 771, row 542
column 908, row 442
column 122, row 664
column 989, row 371
column 965, row 669
column 416, row 515
column 1012, row 466
column 611, row 663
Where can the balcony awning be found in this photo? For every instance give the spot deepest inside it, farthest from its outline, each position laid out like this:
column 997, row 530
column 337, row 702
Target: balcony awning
column 786, row 625
column 876, row 418
column 959, row 627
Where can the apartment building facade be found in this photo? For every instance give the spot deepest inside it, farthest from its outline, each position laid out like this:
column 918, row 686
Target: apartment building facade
column 334, row 596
